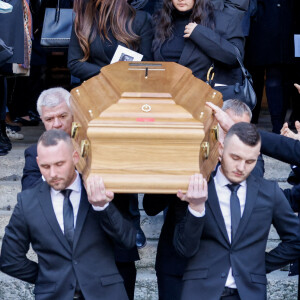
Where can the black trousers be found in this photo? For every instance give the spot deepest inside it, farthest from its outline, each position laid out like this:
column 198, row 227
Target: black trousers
column 232, row 297
column 169, row 286
column 128, row 272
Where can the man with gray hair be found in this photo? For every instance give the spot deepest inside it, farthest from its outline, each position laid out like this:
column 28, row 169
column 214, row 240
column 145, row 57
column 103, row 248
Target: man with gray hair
column 53, row 106
column 236, row 108
column 238, row 111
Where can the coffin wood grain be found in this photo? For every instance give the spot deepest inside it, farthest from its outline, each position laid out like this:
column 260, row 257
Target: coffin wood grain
column 145, row 152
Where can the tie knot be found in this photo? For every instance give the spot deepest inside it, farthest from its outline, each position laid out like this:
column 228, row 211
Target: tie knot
column 233, row 187
column 66, row 193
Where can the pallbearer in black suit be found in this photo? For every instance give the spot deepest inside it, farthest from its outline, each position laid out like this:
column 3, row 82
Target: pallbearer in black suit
column 71, row 228
column 226, row 226
column 169, row 265
column 53, row 106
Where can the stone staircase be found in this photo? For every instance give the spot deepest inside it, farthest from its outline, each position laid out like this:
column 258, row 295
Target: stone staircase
column 280, row 285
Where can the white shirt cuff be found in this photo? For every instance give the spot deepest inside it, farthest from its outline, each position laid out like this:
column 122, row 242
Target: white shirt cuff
column 100, row 208
column 196, row 213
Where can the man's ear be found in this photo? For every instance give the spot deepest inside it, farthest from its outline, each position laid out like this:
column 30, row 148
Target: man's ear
column 37, row 160
column 76, row 157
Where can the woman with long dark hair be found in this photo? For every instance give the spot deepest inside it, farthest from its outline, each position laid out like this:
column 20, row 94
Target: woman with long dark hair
column 99, row 27
column 195, row 34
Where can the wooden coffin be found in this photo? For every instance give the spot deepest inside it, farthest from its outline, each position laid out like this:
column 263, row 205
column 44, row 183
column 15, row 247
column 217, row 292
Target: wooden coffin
column 144, row 127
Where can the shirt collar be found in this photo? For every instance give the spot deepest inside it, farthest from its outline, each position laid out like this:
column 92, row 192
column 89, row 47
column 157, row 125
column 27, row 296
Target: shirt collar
column 75, row 186
column 221, row 180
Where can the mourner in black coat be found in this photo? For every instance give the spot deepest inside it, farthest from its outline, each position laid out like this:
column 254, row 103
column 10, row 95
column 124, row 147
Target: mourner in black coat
column 185, row 36
column 228, row 258
column 84, row 64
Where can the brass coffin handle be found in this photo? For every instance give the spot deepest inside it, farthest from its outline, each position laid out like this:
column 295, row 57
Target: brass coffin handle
column 84, row 148
column 215, row 133
column 205, row 150
column 75, row 126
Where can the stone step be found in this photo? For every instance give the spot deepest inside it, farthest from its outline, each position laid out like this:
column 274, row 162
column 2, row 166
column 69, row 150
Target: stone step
column 4, row 219
column 146, row 286
column 8, row 193
column 281, row 286
column 147, row 255
column 13, row 163
column 275, row 169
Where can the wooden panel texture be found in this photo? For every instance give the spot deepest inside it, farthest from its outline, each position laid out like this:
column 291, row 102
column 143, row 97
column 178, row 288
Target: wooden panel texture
column 144, row 127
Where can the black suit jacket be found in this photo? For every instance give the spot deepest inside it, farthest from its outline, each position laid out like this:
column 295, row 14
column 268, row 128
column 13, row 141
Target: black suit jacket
column 205, row 242
column 91, row 260
column 32, row 176
column 168, row 261
column 31, row 171
column 206, row 46
column 280, row 147
column 83, row 70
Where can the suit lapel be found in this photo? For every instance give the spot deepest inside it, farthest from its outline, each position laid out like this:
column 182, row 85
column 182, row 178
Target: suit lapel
column 47, row 208
column 215, row 208
column 251, row 196
column 81, row 216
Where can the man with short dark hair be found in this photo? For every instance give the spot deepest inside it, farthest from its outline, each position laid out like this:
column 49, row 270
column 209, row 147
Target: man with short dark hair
column 225, row 229
column 70, row 228
column 169, row 265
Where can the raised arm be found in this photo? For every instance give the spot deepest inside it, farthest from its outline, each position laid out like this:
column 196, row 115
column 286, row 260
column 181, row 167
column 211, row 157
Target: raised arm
column 113, row 223
column 188, row 229
column 280, row 147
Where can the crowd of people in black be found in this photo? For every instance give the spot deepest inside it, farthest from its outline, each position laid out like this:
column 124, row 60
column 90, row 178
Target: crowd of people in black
column 212, row 244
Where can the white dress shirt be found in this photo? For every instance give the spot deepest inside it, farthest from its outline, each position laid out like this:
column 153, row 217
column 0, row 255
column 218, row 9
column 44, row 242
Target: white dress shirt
column 224, row 193
column 58, row 201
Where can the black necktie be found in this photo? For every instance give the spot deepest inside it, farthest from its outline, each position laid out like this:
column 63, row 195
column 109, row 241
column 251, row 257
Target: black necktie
column 68, row 217
column 235, row 208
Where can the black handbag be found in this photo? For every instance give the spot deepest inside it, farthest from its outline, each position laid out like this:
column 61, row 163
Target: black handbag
column 57, row 27
column 244, row 92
